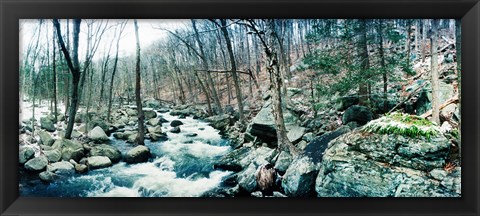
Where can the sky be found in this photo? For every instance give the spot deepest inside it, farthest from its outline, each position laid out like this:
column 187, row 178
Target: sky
column 148, row 33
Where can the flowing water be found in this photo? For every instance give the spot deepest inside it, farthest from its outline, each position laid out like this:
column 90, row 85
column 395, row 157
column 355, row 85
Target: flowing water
column 180, row 167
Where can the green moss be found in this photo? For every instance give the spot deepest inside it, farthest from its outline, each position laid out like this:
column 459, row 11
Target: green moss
column 403, row 124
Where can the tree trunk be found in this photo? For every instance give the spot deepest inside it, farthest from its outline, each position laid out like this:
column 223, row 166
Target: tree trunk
column 424, row 40
column 140, row 135
column 74, row 67
column 54, row 68
column 363, row 87
column 216, row 99
column 434, row 71
column 238, row 91
column 458, row 46
column 275, row 81
column 382, row 64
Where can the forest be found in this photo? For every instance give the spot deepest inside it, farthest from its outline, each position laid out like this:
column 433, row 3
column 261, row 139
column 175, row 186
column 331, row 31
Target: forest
column 240, row 108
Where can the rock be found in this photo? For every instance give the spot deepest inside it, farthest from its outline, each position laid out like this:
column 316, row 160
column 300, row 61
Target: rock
column 76, row 134
column 175, row 130
column 37, row 164
column 231, row 161
column 108, row 151
column 138, row 154
column 247, row 180
column 191, row 135
column 424, row 100
column 155, row 130
column 308, row 137
column 82, row 128
column 45, row 138
column 302, row 145
column 149, row 114
column 47, row 124
column 152, row 103
column 283, row 162
column 345, row 102
column 70, row 149
column 438, row 174
column 131, row 138
column 220, row 122
column 97, row 162
column 446, row 127
column 453, row 181
column 53, row 155
column 256, row 194
column 449, row 110
column 132, row 112
column 159, row 137
column 263, row 124
column 154, row 121
column 25, row 154
column 359, row 114
column 295, row 134
column 162, row 120
column 98, row 122
column 62, row 167
column 47, row 176
column 176, row 123
column 81, row 168
column 356, row 165
column 97, row 135
column 163, row 110
column 299, row 178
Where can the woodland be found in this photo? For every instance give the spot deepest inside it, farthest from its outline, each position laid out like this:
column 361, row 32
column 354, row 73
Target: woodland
column 240, row 107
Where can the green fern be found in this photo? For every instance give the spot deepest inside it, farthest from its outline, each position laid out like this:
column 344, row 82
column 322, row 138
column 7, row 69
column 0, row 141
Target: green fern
column 403, row 124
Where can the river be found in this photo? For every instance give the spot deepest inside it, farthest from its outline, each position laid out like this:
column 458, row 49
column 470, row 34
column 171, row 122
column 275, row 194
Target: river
column 179, row 167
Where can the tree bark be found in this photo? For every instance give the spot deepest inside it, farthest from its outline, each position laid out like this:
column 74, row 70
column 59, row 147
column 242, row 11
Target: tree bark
column 236, row 82
column 363, row 87
column 140, row 135
column 74, row 67
column 434, row 73
column 54, row 68
column 382, row 64
column 458, row 46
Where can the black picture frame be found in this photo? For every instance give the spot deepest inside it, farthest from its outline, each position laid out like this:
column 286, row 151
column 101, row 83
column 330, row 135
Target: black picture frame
column 13, row 10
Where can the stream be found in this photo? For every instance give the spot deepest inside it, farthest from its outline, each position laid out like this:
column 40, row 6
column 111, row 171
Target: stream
column 179, row 167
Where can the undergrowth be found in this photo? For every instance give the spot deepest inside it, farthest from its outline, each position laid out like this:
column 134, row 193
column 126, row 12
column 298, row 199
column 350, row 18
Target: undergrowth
column 403, row 124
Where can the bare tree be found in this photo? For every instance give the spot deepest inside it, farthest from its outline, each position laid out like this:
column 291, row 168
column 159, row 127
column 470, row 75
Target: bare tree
column 73, row 65
column 434, row 73
column 140, row 135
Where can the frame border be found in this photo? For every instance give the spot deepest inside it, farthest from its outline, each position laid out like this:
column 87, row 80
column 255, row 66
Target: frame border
column 13, row 10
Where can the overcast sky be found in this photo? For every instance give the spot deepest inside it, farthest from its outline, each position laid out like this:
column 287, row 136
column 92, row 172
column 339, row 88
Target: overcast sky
column 148, row 33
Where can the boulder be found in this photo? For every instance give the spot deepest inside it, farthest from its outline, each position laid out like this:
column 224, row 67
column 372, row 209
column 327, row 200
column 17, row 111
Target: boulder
column 283, row 162
column 295, row 134
column 220, row 122
column 45, row 138
column 25, row 154
column 423, row 103
column 154, row 130
column 47, row 124
column 98, row 123
column 263, row 124
column 356, row 165
column 176, row 123
column 231, row 161
column 132, row 112
column 154, row 122
column 108, row 151
column 37, row 164
column 152, row 103
column 299, row 178
column 247, row 178
column 53, row 155
column 81, row 168
column 357, row 113
column 191, row 134
column 97, row 162
column 70, row 149
column 62, row 167
column 47, row 176
column 131, row 138
column 138, row 154
column 97, row 135
column 149, row 114
column 175, row 130
column 159, row 137
column 345, row 102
